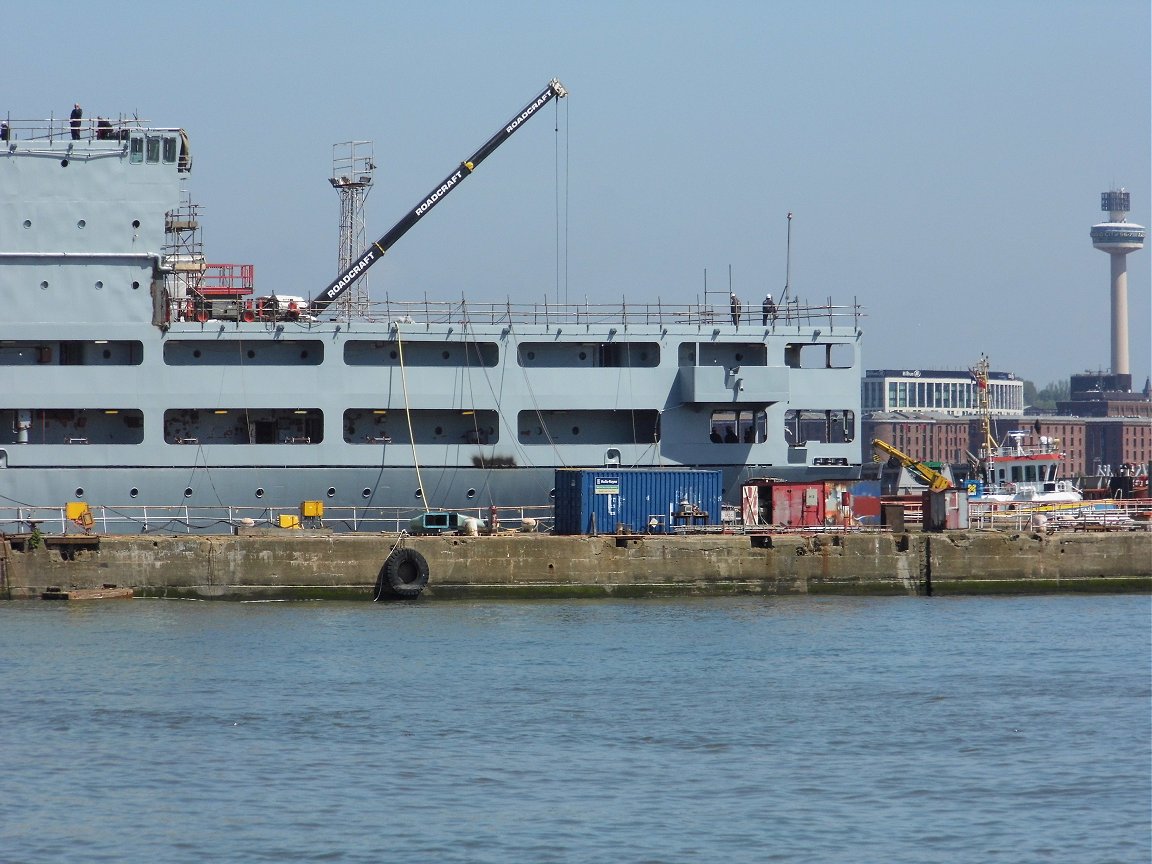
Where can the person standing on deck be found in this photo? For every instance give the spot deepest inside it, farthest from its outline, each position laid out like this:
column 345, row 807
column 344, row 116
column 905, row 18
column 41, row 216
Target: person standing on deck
column 769, row 310
column 735, row 308
column 74, row 121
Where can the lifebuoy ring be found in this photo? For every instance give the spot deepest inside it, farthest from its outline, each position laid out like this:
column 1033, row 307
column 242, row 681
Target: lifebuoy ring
column 404, row 575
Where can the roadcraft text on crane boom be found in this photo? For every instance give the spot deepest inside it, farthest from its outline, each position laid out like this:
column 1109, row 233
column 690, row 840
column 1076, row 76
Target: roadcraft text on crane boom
column 357, row 269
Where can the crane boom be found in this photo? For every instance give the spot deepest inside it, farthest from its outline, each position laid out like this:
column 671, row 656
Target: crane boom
column 377, row 250
column 936, row 481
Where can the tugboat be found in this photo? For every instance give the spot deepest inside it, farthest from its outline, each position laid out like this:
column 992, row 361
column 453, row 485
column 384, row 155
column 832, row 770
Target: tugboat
column 1024, row 467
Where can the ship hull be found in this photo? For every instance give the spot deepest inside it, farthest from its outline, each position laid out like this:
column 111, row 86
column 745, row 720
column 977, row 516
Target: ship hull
column 160, row 390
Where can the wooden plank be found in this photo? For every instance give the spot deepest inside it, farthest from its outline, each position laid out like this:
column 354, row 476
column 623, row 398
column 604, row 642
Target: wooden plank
column 110, row 592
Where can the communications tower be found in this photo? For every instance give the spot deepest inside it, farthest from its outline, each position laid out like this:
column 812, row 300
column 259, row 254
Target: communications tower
column 352, row 167
column 1118, row 237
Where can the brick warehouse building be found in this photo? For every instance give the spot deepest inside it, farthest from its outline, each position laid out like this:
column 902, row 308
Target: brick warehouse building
column 935, row 424
column 1091, row 444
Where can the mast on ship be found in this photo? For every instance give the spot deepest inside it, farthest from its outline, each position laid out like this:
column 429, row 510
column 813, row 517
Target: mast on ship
column 988, row 447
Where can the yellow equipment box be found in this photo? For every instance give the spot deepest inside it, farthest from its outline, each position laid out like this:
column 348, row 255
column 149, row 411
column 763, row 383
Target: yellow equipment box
column 76, row 509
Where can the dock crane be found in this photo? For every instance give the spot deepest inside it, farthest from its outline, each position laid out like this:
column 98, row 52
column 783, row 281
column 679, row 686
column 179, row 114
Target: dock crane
column 377, row 250
column 936, row 481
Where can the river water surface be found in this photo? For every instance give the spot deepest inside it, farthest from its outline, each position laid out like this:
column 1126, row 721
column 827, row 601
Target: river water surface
column 733, row 730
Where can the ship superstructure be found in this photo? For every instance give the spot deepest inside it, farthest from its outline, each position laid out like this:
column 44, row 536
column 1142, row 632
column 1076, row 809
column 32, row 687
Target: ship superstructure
column 137, row 375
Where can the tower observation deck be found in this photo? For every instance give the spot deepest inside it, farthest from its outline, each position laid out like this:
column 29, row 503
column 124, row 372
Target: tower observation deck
column 1118, row 238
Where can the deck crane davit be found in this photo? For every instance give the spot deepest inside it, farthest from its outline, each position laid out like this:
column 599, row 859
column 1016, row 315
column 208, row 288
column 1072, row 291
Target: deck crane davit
column 936, row 481
column 377, row 250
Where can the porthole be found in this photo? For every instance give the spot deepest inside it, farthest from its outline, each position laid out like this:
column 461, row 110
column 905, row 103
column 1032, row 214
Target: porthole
column 575, row 430
column 79, row 491
column 135, row 286
column 439, row 430
column 99, row 285
column 471, row 493
column 583, row 355
column 552, row 494
column 63, row 163
column 367, row 493
column 303, row 355
column 81, row 224
column 419, row 493
column 251, row 353
column 107, row 354
column 44, row 286
column 445, row 354
column 331, row 491
column 739, row 356
column 27, row 223
column 135, row 223
column 260, row 493
column 531, row 355
column 133, row 492
column 392, row 355
column 188, row 492
column 196, row 353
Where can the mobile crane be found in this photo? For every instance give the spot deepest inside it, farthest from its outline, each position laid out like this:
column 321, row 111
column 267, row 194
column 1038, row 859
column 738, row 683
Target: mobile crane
column 377, row 250
column 936, row 481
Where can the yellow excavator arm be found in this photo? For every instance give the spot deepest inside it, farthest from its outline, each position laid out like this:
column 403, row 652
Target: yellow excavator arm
column 936, row 481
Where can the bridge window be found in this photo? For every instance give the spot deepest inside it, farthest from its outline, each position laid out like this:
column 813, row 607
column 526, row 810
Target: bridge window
column 802, row 427
column 819, row 355
column 738, row 427
column 136, row 150
column 169, row 150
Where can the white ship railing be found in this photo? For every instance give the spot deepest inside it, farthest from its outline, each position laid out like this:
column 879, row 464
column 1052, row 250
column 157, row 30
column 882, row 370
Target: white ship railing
column 53, row 129
column 409, row 313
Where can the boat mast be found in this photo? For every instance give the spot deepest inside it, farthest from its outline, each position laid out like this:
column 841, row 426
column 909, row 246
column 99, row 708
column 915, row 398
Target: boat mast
column 980, row 373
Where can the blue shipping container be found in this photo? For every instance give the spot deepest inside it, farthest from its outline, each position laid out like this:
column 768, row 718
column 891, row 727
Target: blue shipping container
column 635, row 500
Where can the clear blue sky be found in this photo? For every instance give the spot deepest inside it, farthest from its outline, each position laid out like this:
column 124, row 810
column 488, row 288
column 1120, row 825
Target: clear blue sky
column 943, row 160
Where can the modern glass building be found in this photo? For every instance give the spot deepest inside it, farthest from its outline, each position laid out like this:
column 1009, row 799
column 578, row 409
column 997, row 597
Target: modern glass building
column 953, row 393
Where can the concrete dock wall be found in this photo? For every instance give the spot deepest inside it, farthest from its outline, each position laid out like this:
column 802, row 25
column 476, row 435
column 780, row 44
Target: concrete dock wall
column 305, row 564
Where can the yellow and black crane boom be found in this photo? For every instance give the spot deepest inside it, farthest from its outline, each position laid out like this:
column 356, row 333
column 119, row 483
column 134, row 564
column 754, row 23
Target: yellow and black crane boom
column 936, row 481
column 376, row 251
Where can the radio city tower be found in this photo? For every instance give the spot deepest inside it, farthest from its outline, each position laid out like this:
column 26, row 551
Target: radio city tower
column 1118, row 238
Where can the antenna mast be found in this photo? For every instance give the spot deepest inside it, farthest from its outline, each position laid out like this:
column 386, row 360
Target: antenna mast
column 787, row 262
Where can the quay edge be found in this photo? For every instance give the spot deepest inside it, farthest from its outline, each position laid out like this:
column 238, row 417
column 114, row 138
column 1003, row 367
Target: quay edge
column 340, row 566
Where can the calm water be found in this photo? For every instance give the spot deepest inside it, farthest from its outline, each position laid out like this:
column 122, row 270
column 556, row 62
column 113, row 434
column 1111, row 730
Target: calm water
column 746, row 730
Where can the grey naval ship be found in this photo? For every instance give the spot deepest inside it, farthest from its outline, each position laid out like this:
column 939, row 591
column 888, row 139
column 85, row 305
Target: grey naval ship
column 157, row 391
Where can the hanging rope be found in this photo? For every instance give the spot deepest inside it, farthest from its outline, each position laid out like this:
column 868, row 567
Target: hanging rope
column 408, row 417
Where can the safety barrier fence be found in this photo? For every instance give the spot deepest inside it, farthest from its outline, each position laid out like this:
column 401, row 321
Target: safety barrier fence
column 226, row 519
column 407, row 313
column 1119, row 514
column 1109, row 515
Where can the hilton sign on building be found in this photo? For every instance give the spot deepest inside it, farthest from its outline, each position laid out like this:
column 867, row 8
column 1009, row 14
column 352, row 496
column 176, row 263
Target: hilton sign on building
column 939, row 392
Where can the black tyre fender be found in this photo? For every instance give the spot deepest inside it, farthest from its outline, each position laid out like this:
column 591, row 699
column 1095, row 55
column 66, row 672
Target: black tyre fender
column 404, row 575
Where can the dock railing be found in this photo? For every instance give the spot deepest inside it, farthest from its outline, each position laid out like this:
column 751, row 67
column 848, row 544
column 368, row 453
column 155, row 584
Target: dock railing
column 181, row 519
column 1108, row 515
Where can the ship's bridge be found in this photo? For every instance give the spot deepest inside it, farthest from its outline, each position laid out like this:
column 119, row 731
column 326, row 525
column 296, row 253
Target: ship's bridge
column 89, row 137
